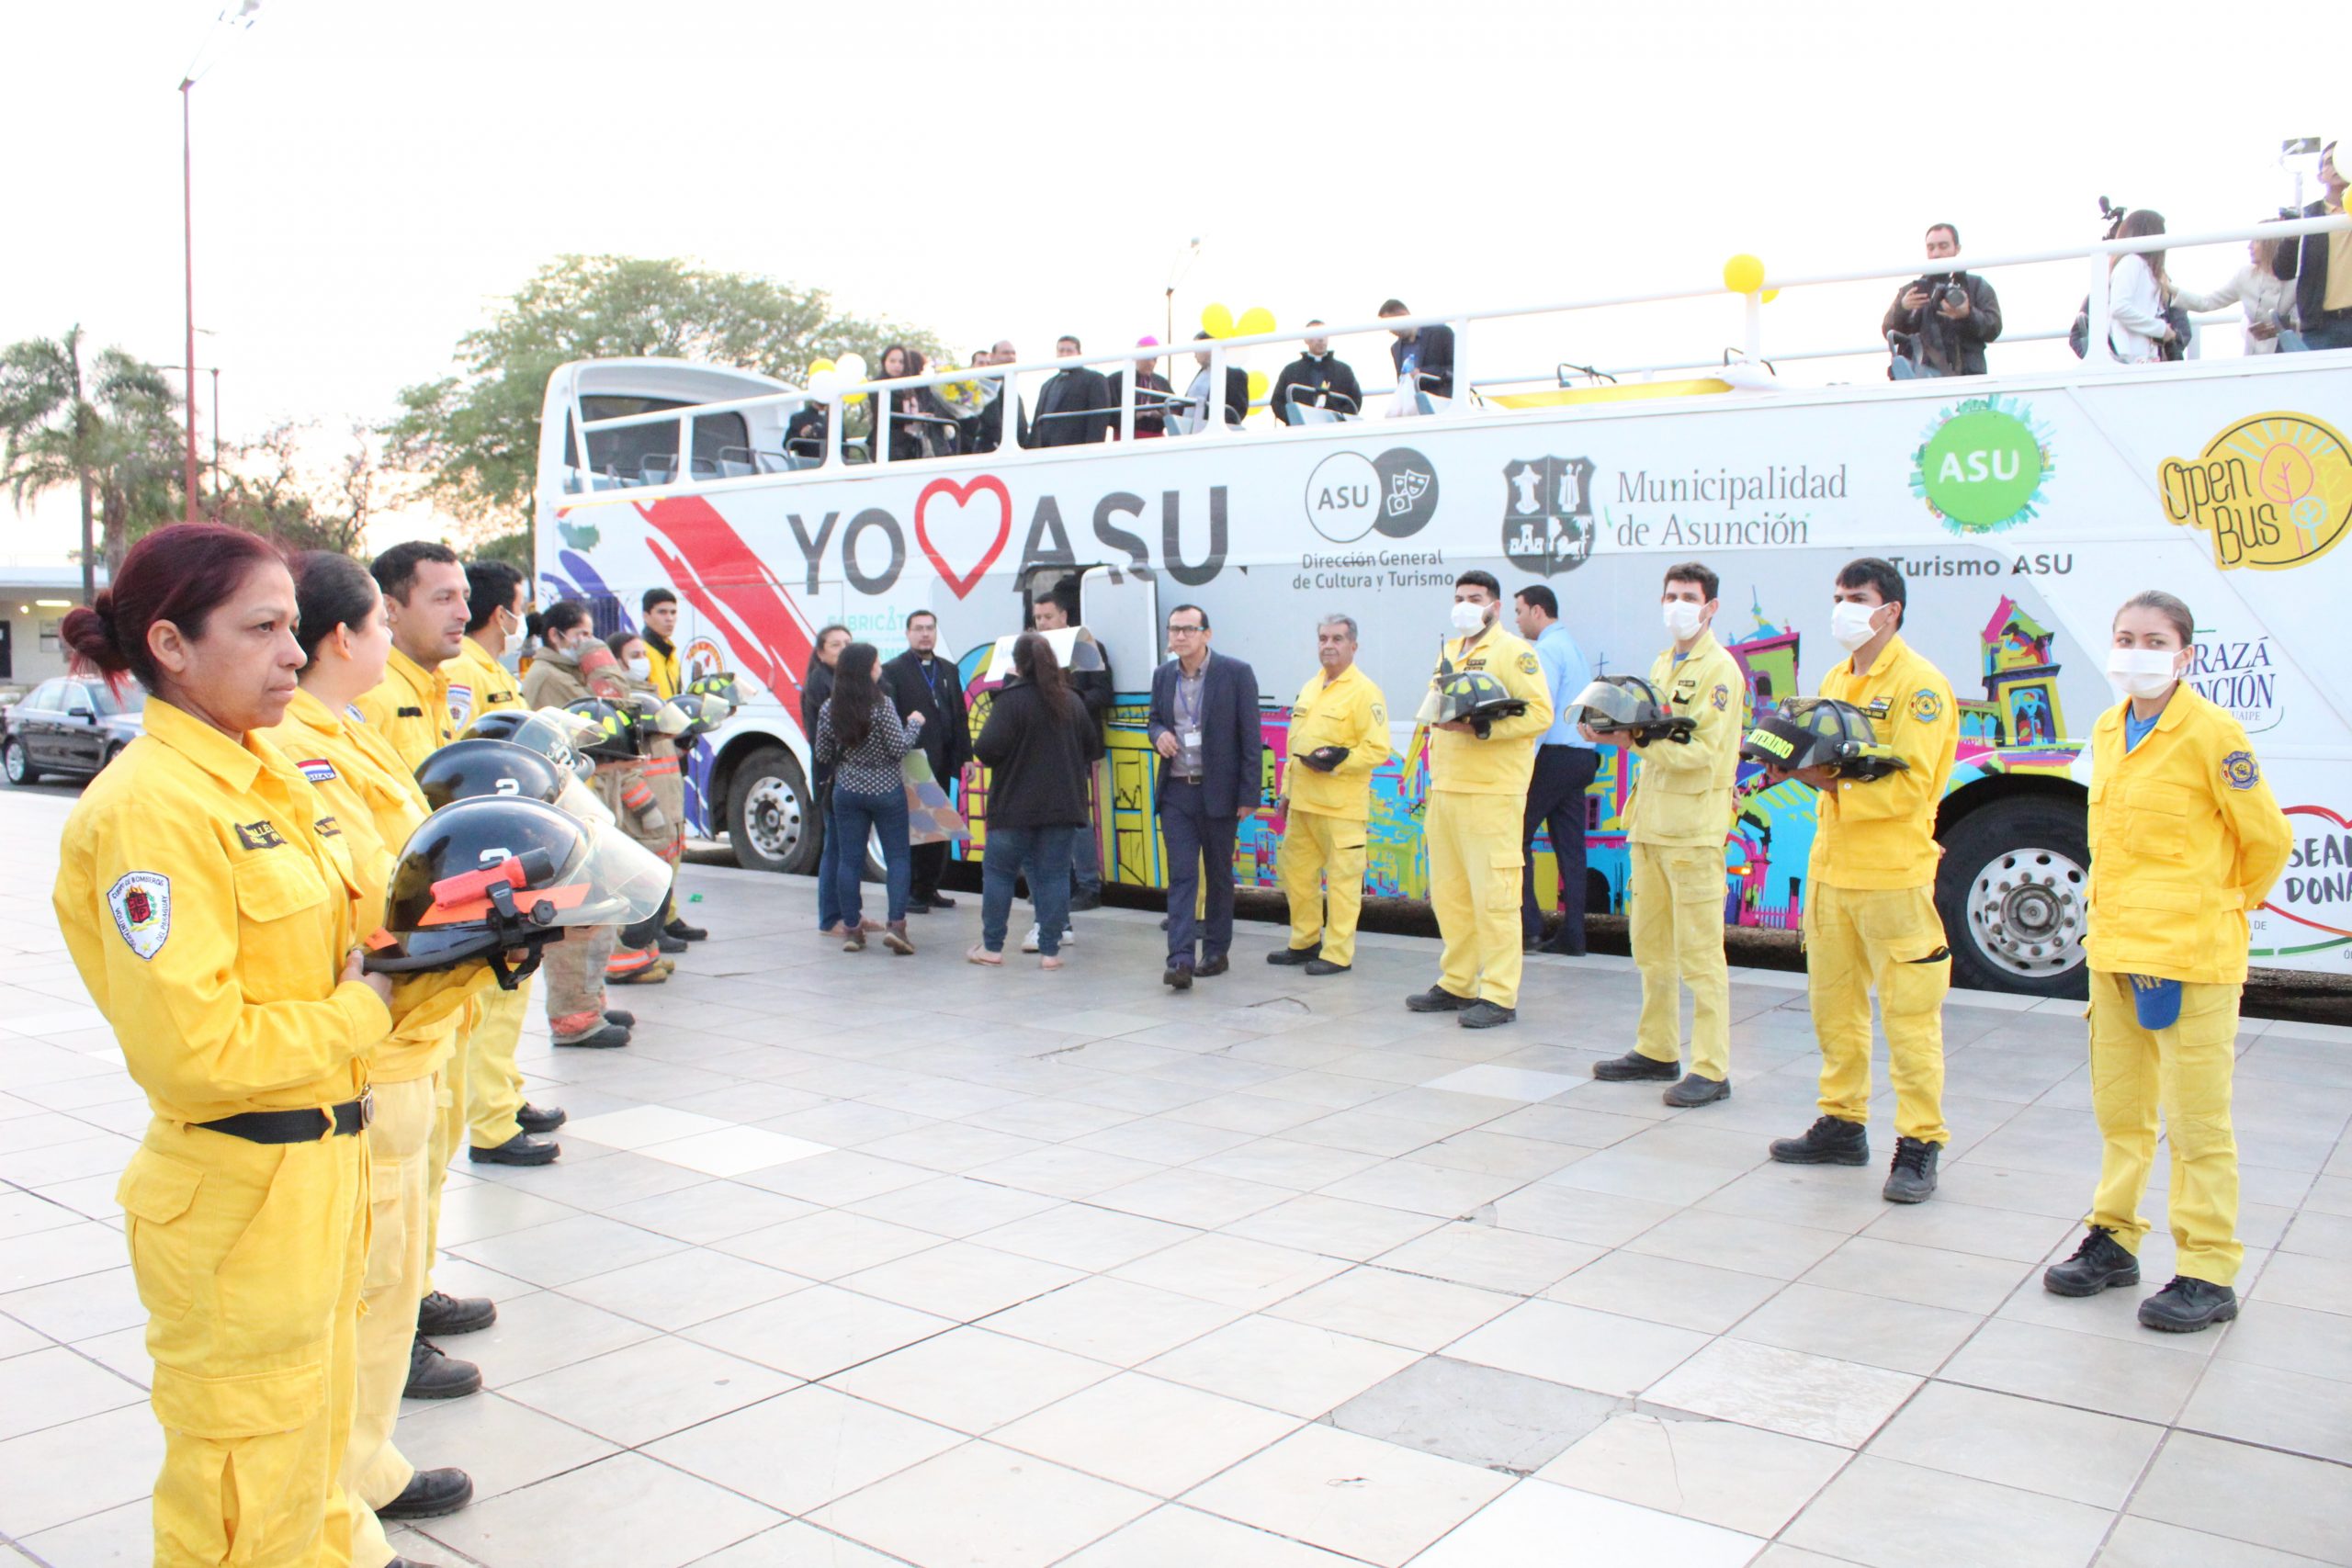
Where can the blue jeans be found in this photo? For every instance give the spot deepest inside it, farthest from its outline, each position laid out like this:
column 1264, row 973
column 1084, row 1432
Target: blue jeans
column 828, row 860
column 2329, row 331
column 1045, row 851
column 885, row 817
column 1085, row 864
column 1200, row 842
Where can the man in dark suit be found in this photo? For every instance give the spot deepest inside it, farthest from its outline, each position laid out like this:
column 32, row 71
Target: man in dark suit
column 984, row 431
column 920, row 682
column 1074, row 408
column 1423, row 355
column 1320, row 380
column 1237, row 390
column 2306, row 264
column 1205, row 725
column 1151, row 397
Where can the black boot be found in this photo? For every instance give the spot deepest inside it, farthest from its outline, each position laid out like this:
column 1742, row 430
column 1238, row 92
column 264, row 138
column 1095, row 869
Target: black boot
column 2099, row 1264
column 1295, row 955
column 429, row 1494
column 1437, row 998
column 1913, row 1175
column 665, row 942
column 520, row 1150
column 1697, row 1090
column 433, row 1373
column 1484, row 1014
column 1633, row 1066
column 443, row 1314
column 2187, row 1305
column 1325, row 966
column 678, row 927
column 539, row 1119
column 1829, row 1141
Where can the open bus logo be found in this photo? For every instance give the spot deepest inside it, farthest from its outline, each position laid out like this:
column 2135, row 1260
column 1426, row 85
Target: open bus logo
column 2273, row 490
column 1982, row 465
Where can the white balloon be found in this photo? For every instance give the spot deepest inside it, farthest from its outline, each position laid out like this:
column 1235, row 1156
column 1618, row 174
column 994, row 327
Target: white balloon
column 824, row 381
column 852, row 367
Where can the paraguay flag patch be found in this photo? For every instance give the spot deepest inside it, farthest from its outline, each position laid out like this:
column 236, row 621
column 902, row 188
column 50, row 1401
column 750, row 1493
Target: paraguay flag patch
column 318, row 769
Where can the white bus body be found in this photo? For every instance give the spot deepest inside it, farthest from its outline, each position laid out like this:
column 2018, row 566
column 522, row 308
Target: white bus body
column 2022, row 509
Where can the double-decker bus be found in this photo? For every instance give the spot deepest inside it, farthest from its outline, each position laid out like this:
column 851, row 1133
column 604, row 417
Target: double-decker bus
column 2022, row 508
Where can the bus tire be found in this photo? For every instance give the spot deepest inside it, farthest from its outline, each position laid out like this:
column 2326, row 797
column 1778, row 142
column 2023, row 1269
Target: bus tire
column 772, row 815
column 2014, row 893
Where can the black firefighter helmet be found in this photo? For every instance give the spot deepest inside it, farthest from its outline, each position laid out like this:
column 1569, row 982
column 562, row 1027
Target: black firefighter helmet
column 1819, row 732
column 1476, row 698
column 474, row 767
column 1630, row 705
column 483, row 878
column 618, row 728
column 556, row 734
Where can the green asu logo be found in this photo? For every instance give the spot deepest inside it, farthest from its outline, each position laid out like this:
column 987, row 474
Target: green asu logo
column 1981, row 466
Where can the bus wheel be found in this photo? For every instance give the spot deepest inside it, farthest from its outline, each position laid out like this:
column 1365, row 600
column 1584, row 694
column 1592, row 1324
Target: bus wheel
column 2015, row 896
column 771, row 815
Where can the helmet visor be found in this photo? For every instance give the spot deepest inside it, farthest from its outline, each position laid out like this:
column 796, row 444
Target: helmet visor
column 557, row 735
column 577, row 800
column 622, row 883
column 1606, row 700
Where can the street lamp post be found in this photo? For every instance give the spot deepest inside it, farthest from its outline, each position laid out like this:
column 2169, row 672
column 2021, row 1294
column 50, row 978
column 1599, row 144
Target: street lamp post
column 239, row 20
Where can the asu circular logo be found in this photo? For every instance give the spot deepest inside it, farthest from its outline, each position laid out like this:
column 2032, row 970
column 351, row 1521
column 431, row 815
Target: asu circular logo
column 1983, row 465
column 2241, row 769
column 1926, row 706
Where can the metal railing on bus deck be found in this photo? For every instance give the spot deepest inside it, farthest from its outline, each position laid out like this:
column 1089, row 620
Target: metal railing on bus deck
column 2098, row 356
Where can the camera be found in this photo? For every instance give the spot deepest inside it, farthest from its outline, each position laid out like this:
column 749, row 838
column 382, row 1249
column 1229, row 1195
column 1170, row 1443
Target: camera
column 1946, row 290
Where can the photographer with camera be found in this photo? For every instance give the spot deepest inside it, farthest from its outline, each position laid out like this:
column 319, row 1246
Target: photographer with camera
column 1940, row 325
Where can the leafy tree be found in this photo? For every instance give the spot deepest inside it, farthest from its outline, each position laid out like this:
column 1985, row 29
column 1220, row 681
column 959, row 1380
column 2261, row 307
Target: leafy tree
column 109, row 430
column 474, row 434
column 289, row 486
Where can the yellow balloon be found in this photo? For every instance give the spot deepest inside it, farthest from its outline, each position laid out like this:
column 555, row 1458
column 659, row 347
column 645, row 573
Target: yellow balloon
column 1255, row 322
column 1218, row 322
column 1770, row 295
column 1258, row 385
column 1744, row 274
column 818, row 367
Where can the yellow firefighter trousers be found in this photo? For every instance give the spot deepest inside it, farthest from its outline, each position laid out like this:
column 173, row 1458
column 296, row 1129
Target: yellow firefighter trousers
column 493, row 1083
column 1474, row 858
column 1319, row 852
column 447, row 1135
column 248, row 1258
column 1890, row 938
column 1675, row 918
column 2186, row 1070
column 400, row 1145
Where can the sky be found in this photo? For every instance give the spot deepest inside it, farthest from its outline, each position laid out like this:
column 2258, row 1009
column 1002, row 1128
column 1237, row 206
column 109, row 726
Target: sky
column 371, row 178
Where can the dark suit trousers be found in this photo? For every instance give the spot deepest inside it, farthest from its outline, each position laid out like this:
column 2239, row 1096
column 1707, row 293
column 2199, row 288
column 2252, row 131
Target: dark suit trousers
column 1555, row 803
column 929, row 864
column 1198, row 840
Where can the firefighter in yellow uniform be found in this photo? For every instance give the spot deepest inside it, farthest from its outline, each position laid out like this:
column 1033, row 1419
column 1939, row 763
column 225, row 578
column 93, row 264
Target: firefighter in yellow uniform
column 425, row 603
column 1478, row 798
column 210, row 911
column 499, row 1123
column 377, row 804
column 1870, row 903
column 1339, row 737
column 2185, row 839
column 1675, row 828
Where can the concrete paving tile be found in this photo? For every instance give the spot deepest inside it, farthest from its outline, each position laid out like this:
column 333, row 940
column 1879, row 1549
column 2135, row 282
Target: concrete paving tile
column 1576, row 1346
column 984, row 1506
column 1296, row 1367
column 1350, row 1495
column 625, row 1508
column 1803, row 1396
column 802, row 1449
column 1527, row 1527
column 1719, row 1472
column 1878, row 1511
column 2021, row 1442
column 1482, row 1415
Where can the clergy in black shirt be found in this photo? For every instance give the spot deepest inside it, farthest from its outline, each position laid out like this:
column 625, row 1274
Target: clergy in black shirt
column 920, row 681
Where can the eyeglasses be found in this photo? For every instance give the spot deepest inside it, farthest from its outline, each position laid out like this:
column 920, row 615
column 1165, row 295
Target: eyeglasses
column 1185, row 631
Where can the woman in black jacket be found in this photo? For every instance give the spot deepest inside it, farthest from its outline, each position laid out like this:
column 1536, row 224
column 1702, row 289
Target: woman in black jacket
column 1039, row 745
column 816, row 685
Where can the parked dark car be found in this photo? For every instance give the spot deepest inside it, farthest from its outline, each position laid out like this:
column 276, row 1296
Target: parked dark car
column 67, row 727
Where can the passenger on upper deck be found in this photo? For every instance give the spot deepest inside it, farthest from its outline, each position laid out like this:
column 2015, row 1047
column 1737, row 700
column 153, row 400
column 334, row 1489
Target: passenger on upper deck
column 1940, row 325
column 1198, row 397
column 1423, row 357
column 2321, row 266
column 921, row 425
column 1319, row 379
column 984, row 432
column 1151, row 395
column 1073, row 408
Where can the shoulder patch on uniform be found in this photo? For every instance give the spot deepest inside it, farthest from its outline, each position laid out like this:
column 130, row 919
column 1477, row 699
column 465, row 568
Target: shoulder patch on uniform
column 1927, row 704
column 318, row 769
column 1528, row 664
column 1720, row 696
column 351, row 711
column 142, row 902
column 259, row 835
column 2241, row 769
column 1379, row 714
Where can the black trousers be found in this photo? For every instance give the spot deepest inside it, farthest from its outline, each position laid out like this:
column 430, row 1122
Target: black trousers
column 927, row 864
column 1555, row 803
column 1200, row 844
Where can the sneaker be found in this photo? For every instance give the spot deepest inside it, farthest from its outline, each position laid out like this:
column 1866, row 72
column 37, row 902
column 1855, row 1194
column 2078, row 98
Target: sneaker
column 520, row 1150
column 604, row 1037
column 894, row 937
column 540, row 1119
column 1325, row 966
column 433, row 1373
column 429, row 1494
column 678, row 927
column 2099, row 1264
column 854, row 942
column 1437, row 998
column 1829, row 1141
column 2187, row 1305
column 1697, row 1090
column 444, row 1314
column 1913, row 1175
column 1295, row 955
column 1633, row 1066
column 1483, row 1014
column 1178, row 976
column 1209, row 966
column 1029, row 942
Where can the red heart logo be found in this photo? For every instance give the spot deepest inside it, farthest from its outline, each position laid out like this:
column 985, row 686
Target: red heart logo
column 963, row 583
column 2325, row 815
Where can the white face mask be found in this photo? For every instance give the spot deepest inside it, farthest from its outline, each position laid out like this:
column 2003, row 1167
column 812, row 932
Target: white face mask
column 640, row 669
column 1682, row 618
column 1850, row 624
column 1468, row 616
column 2142, row 671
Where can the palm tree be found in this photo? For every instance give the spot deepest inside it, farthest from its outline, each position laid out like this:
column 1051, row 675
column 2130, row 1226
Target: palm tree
column 109, row 431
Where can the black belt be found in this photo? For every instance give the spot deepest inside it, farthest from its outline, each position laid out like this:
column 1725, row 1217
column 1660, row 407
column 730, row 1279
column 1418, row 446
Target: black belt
column 298, row 1126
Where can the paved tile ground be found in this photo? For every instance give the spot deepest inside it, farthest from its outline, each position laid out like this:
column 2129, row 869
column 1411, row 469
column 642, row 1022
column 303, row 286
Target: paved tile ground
column 853, row 1261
